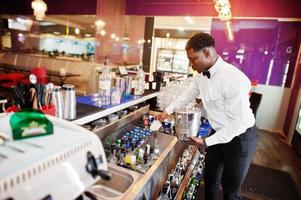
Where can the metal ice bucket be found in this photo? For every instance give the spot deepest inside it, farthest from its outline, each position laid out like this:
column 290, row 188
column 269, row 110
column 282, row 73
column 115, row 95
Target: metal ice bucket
column 187, row 122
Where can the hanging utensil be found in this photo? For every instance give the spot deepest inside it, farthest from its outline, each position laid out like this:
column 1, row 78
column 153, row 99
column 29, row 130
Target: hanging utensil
column 33, row 98
column 34, row 93
column 49, row 90
column 32, row 79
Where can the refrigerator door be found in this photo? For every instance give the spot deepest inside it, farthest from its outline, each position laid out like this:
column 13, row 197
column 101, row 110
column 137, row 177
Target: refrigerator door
column 180, row 62
column 164, row 59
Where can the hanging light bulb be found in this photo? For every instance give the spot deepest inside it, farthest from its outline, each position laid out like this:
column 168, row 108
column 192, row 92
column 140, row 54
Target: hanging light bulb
column 77, row 31
column 39, row 8
column 220, row 4
column 225, row 14
column 99, row 25
column 102, row 32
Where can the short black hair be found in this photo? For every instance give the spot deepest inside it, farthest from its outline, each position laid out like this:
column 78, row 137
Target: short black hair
column 199, row 41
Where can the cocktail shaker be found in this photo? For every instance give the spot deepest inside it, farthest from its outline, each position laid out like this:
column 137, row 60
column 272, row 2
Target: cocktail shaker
column 69, row 101
column 58, row 102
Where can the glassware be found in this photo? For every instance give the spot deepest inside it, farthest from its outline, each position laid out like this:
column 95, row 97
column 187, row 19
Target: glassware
column 139, row 82
column 115, row 96
column 128, row 86
column 120, row 84
column 105, row 85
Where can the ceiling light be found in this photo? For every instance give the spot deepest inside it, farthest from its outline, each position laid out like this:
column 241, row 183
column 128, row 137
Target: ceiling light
column 88, row 35
column 39, row 8
column 77, row 31
column 223, row 9
column 225, row 14
column 117, row 39
column 100, row 23
column 102, row 32
column 56, row 33
column 113, row 36
column 167, row 35
column 219, row 4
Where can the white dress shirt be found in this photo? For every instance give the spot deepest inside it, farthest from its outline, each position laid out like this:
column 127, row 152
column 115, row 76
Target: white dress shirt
column 225, row 98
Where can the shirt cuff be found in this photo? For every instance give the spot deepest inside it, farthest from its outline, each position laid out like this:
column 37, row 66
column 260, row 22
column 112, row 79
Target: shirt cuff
column 209, row 141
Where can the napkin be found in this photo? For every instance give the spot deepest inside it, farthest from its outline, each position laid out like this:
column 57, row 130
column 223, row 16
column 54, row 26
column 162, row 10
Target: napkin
column 155, row 125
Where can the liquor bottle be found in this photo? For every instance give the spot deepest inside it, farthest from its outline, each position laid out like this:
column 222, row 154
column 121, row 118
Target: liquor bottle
column 112, row 157
column 146, row 157
column 156, row 149
column 139, row 82
column 139, row 162
column 105, row 85
column 152, row 149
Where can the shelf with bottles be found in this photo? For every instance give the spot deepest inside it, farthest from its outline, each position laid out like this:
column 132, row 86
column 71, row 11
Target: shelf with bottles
column 176, row 176
column 193, row 178
column 184, row 181
column 133, row 147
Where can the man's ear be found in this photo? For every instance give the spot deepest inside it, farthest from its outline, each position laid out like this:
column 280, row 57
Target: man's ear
column 206, row 52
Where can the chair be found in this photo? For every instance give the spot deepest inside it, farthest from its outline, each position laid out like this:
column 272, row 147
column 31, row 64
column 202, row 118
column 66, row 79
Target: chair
column 11, row 79
column 41, row 74
column 255, row 100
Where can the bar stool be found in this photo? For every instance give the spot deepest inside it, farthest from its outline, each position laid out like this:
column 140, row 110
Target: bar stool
column 40, row 73
column 11, row 79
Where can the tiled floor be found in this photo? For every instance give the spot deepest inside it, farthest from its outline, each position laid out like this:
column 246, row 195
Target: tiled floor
column 274, row 153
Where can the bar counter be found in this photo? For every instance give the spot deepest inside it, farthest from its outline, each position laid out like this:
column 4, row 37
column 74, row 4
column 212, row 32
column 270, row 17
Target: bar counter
column 137, row 185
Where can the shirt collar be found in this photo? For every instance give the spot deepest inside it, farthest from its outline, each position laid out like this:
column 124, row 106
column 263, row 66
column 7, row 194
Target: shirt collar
column 215, row 67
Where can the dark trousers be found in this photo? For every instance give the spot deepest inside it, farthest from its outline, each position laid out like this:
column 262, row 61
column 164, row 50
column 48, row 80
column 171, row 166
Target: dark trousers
column 227, row 164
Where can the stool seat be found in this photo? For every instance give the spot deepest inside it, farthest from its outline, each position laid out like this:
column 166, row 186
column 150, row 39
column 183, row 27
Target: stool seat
column 11, row 79
column 8, row 84
column 40, row 73
column 11, row 76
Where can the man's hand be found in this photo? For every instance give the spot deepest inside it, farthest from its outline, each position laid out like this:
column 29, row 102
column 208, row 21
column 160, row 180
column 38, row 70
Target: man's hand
column 162, row 116
column 198, row 142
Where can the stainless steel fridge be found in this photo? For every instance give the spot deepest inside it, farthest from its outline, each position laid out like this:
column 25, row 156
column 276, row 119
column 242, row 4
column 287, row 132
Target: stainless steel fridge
column 172, row 60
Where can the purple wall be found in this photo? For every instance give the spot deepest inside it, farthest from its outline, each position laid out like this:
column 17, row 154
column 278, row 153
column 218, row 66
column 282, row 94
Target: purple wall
column 258, row 46
column 239, row 8
column 55, row 7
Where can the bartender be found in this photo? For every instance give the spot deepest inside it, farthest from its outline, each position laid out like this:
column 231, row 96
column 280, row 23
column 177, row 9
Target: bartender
column 224, row 91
